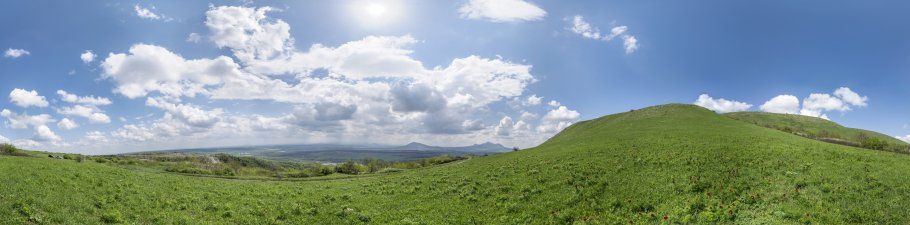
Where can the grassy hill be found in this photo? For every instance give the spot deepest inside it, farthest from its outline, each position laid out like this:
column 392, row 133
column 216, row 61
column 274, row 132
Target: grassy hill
column 663, row 164
column 821, row 129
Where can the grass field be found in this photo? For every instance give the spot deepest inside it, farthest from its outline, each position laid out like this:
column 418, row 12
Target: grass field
column 817, row 128
column 665, row 164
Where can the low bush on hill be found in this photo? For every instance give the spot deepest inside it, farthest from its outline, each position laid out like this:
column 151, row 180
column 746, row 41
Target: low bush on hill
column 8, row 149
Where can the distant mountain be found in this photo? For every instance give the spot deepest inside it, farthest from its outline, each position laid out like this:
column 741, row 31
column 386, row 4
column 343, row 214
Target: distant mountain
column 416, row 146
column 337, row 153
column 487, row 147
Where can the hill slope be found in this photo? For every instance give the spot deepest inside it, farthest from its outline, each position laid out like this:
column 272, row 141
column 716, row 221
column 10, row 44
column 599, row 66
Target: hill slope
column 817, row 128
column 663, row 164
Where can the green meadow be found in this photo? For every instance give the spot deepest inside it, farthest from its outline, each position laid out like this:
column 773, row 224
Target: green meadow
column 667, row 164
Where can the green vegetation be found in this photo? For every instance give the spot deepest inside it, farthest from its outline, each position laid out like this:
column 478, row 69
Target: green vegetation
column 8, row 149
column 823, row 130
column 246, row 167
column 665, row 164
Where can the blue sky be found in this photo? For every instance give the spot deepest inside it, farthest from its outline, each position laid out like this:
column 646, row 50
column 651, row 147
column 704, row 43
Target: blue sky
column 178, row 74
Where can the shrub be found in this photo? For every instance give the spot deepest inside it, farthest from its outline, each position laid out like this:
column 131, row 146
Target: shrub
column 351, row 167
column 8, row 149
column 874, row 143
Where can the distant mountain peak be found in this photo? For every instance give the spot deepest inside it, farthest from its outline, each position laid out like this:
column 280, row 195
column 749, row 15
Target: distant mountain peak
column 483, row 147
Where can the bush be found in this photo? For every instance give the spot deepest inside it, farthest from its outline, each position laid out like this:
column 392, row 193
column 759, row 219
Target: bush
column 874, row 143
column 8, row 149
column 351, row 167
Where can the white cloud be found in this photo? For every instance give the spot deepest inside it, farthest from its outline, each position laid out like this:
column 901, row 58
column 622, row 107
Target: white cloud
column 67, row 124
column 89, row 100
column 15, row 53
column 629, row 43
column 37, row 122
column 557, row 119
column 816, row 104
column 248, row 32
column 150, row 68
column 904, row 138
column 501, row 10
column 367, row 90
column 533, row 100
column 194, row 38
column 23, row 121
column 850, row 97
column 26, row 143
column 92, row 113
column 87, row 56
column 554, row 103
column 146, row 13
column 96, row 137
column 782, row 104
column 44, row 134
column 581, row 27
column 721, row 105
column 189, row 114
column 3, row 139
column 505, row 126
column 25, row 99
column 585, row 29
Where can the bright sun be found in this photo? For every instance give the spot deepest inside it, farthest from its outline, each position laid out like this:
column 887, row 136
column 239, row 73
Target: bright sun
column 375, row 9
column 377, row 13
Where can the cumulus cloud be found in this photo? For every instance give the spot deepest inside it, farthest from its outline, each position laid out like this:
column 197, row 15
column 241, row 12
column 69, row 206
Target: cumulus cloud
column 96, row 137
column 533, row 100
column 194, row 38
column 23, row 121
column 4, row 139
column 44, row 134
column 501, row 11
column 782, row 104
column 721, row 105
column 92, row 113
column 557, row 119
column 188, row 114
column 15, row 53
column 87, row 56
column 26, row 143
column 150, row 68
column 88, row 100
column 248, row 32
column 25, row 99
column 554, row 103
column 581, row 27
column 366, row 90
column 850, row 97
column 67, row 124
column 38, row 122
column 147, row 13
column 817, row 103
column 416, row 98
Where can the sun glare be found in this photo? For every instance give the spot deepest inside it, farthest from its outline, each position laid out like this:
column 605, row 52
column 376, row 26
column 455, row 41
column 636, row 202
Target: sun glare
column 375, row 9
column 376, row 13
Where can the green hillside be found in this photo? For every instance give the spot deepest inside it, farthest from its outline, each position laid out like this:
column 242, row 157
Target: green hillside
column 663, row 164
column 817, row 128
